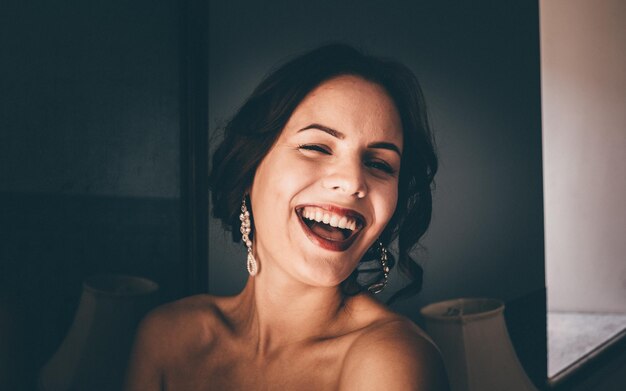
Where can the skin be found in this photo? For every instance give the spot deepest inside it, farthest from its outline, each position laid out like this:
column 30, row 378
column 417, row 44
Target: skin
column 291, row 327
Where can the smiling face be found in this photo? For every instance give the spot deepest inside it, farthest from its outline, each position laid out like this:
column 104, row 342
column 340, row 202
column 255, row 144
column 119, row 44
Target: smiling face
column 329, row 185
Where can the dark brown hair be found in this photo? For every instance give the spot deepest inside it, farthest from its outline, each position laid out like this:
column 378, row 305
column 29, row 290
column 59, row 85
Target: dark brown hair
column 250, row 134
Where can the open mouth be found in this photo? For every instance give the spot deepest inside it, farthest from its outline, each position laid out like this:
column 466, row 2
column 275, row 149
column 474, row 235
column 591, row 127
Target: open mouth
column 330, row 227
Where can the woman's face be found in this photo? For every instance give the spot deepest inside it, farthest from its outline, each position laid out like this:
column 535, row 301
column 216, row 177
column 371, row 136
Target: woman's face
column 329, row 185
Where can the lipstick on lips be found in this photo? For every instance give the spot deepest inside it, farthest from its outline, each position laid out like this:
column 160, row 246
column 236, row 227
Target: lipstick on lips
column 330, row 227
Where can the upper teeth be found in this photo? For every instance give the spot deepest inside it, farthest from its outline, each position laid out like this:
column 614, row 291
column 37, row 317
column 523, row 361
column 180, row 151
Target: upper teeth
column 332, row 219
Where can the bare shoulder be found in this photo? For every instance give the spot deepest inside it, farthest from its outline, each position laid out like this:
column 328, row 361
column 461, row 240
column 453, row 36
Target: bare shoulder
column 168, row 333
column 194, row 318
column 393, row 353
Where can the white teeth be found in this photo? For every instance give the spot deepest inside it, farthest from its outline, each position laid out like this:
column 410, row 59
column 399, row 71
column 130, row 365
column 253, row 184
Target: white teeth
column 342, row 223
column 320, row 215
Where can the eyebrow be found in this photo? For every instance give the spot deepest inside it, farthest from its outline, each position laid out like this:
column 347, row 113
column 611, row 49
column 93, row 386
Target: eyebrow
column 326, row 129
column 341, row 136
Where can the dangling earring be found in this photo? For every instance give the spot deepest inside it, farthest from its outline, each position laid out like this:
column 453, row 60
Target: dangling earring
column 379, row 286
column 245, row 232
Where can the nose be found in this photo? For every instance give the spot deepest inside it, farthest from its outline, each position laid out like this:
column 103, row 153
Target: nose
column 347, row 179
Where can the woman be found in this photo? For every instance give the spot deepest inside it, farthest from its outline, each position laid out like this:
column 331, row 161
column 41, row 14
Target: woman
column 328, row 161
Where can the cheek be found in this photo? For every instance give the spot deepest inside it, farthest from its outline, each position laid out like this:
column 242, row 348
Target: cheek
column 275, row 184
column 386, row 204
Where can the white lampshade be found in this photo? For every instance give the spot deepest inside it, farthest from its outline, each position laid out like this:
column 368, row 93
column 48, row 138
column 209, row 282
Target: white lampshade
column 94, row 354
column 475, row 344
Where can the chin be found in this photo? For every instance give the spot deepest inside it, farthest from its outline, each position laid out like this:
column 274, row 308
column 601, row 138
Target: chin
column 326, row 270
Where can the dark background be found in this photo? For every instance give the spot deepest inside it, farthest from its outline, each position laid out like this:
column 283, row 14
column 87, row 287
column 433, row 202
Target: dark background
column 102, row 114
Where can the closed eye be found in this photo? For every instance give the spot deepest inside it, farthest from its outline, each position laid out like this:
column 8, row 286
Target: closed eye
column 315, row 147
column 379, row 165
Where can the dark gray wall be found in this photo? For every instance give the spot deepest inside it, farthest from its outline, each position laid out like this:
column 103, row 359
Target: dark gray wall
column 90, row 98
column 478, row 63
column 89, row 162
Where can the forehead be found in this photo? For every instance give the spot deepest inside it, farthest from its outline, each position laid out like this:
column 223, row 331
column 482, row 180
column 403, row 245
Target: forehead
column 352, row 105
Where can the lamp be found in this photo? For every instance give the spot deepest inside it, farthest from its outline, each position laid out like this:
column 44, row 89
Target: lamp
column 94, row 354
column 475, row 345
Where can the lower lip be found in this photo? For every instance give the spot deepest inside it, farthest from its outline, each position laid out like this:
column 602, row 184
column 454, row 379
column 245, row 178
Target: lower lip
column 325, row 243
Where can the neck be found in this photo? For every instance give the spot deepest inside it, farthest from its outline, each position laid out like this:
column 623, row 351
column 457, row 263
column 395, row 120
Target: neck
column 276, row 312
